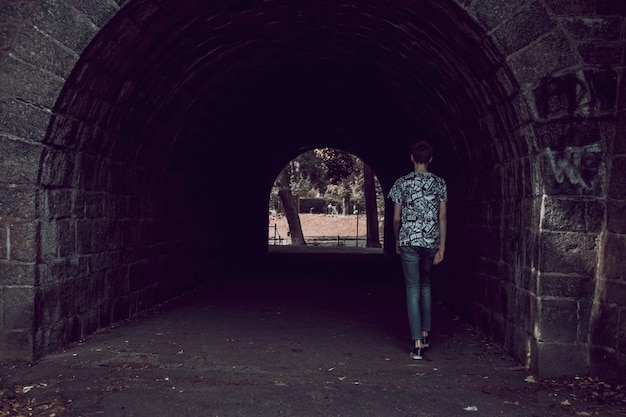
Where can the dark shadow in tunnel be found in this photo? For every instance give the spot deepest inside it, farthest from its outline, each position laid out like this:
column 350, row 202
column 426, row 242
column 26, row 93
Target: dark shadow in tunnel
column 258, row 123
column 362, row 287
column 359, row 289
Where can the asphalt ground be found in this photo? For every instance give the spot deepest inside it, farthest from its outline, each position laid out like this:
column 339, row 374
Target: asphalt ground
column 291, row 336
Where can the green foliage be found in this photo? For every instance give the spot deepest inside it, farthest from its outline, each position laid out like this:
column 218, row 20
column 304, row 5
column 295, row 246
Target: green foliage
column 329, row 173
column 339, row 165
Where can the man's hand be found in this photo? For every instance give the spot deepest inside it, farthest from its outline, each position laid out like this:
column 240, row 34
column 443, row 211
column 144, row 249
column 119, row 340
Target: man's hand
column 438, row 256
column 398, row 248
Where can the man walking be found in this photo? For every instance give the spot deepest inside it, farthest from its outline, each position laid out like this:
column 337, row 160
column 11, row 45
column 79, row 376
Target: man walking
column 419, row 224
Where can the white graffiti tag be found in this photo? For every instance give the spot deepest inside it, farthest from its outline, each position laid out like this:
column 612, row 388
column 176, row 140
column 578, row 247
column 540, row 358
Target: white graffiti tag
column 579, row 165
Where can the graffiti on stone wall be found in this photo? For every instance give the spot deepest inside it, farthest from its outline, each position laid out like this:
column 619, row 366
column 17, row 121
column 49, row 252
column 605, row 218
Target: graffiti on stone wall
column 577, row 94
column 581, row 166
column 568, row 94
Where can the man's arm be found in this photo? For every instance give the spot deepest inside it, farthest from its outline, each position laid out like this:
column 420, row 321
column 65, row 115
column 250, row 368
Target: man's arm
column 443, row 229
column 397, row 221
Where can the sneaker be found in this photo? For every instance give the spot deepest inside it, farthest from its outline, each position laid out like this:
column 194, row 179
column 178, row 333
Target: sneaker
column 425, row 341
column 417, row 353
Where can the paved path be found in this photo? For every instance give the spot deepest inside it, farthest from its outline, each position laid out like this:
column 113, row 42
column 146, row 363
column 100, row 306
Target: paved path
column 318, row 339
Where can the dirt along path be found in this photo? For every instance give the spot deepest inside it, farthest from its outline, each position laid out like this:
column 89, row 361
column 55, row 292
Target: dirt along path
column 320, row 225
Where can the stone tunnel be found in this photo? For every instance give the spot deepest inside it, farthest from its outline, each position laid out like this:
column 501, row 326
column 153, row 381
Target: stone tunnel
column 139, row 140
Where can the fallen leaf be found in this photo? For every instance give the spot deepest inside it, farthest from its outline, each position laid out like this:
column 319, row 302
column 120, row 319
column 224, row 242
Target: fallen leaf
column 27, row 388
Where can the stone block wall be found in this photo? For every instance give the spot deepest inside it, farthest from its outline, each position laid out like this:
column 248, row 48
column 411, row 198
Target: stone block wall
column 19, row 157
column 85, row 240
column 116, row 238
column 577, row 114
column 608, row 334
column 537, row 271
column 19, row 236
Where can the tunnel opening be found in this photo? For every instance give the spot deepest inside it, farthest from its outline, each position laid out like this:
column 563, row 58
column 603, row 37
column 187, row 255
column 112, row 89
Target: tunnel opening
column 331, row 197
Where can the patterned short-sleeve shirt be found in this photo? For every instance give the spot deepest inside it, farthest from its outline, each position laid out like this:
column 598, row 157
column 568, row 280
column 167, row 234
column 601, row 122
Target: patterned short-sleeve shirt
column 420, row 194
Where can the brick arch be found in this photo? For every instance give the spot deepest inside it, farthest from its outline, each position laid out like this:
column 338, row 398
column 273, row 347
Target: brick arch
column 124, row 120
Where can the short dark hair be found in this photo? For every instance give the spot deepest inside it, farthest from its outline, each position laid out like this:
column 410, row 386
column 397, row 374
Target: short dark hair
column 422, row 152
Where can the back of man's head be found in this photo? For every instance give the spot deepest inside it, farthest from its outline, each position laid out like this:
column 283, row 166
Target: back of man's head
column 422, row 152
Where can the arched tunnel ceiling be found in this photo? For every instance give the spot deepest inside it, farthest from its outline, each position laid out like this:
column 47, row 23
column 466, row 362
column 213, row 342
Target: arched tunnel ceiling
column 185, row 77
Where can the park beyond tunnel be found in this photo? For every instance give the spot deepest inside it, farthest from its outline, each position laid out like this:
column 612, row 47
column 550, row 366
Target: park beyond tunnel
column 140, row 140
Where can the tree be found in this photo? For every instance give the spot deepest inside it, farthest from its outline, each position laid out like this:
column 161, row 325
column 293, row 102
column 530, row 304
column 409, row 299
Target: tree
column 291, row 209
column 341, row 168
column 336, row 174
column 371, row 207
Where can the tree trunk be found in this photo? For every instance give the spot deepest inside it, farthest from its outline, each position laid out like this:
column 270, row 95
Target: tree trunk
column 346, row 205
column 291, row 210
column 371, row 209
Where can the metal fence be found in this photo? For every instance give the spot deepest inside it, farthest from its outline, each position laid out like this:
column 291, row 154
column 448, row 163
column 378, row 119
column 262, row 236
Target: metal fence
column 347, row 241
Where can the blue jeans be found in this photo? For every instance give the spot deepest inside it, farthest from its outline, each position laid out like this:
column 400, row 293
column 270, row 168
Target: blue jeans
column 417, row 263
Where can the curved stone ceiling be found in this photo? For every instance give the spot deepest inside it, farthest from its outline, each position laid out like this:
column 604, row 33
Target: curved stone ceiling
column 183, row 78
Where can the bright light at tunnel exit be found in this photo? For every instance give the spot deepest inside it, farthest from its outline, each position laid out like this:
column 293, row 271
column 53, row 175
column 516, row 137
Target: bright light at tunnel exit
column 331, row 195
